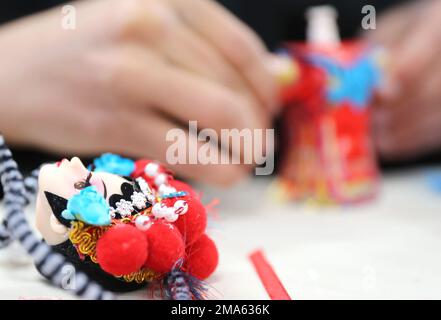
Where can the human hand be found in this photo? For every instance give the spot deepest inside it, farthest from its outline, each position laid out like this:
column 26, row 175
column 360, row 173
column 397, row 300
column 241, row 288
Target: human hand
column 407, row 115
column 131, row 71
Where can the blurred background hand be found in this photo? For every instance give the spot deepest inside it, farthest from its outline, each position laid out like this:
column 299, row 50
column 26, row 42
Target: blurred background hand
column 407, row 117
column 128, row 73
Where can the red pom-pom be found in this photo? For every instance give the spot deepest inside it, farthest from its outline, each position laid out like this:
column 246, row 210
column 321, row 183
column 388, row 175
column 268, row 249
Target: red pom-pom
column 192, row 224
column 123, row 249
column 166, row 246
column 182, row 186
column 202, row 258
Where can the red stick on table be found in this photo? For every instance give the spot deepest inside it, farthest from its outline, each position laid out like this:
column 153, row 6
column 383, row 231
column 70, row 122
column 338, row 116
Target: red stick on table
column 270, row 281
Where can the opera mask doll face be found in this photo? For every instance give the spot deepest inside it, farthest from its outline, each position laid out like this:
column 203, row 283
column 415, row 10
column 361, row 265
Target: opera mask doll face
column 61, row 181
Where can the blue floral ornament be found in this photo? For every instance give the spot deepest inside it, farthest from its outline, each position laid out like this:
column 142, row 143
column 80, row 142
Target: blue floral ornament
column 355, row 83
column 88, row 206
column 113, row 163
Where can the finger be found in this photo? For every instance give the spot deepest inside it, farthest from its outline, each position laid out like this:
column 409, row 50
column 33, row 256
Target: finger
column 425, row 86
column 235, row 41
column 190, row 51
column 158, row 26
column 416, row 52
column 184, row 96
column 412, row 136
column 147, row 137
column 393, row 24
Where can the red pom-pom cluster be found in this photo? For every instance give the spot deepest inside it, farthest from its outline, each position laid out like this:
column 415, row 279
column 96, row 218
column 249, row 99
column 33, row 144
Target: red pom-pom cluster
column 173, row 235
column 123, row 249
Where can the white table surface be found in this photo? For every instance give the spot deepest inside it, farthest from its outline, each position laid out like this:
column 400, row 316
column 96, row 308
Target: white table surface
column 387, row 249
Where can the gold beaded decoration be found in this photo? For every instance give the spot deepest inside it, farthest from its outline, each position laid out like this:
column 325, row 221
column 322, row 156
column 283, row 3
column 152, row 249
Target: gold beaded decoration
column 141, row 276
column 85, row 237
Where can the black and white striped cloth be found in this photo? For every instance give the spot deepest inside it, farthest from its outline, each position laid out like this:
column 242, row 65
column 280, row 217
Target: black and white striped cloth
column 53, row 265
column 31, row 185
column 5, row 235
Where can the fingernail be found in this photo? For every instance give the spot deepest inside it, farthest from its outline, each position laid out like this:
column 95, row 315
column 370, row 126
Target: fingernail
column 285, row 72
column 284, row 69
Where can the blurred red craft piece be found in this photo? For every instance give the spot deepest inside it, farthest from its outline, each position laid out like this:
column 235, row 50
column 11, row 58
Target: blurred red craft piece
column 327, row 150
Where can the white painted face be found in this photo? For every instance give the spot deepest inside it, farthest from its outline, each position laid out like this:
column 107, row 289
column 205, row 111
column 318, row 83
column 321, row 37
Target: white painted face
column 64, row 179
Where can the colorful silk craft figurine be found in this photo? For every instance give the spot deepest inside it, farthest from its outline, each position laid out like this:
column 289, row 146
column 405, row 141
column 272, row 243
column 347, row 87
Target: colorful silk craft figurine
column 328, row 155
column 122, row 225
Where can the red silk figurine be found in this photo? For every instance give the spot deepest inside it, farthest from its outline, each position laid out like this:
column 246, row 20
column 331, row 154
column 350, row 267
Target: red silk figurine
column 328, row 155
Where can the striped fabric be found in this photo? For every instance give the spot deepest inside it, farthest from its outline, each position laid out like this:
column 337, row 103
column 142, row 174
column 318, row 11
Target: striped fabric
column 50, row 263
column 5, row 236
column 31, row 184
